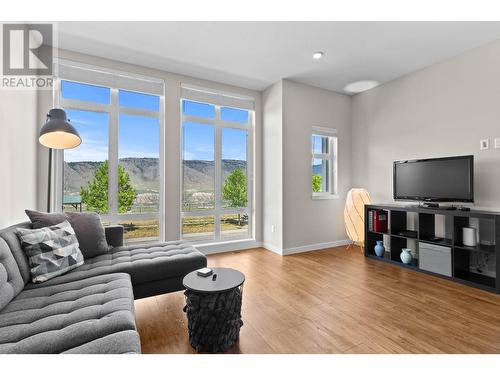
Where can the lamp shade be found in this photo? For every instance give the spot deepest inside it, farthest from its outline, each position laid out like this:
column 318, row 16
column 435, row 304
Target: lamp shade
column 57, row 132
column 354, row 213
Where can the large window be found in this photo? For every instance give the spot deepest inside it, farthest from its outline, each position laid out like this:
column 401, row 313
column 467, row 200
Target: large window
column 216, row 171
column 324, row 163
column 117, row 170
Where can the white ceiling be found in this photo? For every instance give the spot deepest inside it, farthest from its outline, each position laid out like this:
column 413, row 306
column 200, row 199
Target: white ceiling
column 256, row 54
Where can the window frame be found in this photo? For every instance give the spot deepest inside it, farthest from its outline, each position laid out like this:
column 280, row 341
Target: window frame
column 113, row 109
column 218, row 211
column 331, row 156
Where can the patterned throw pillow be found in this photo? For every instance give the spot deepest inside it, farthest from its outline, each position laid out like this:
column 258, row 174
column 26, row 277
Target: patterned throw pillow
column 51, row 251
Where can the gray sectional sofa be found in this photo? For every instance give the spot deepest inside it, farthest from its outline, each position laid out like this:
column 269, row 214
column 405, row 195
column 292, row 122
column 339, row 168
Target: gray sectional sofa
column 91, row 308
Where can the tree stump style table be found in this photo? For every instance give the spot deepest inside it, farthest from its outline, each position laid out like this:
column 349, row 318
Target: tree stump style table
column 213, row 309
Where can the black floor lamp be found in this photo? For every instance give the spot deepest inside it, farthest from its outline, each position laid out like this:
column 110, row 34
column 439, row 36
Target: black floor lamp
column 57, row 133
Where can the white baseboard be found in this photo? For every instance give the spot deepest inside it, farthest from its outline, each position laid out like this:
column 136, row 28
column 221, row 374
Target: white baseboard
column 274, row 249
column 224, row 247
column 315, row 246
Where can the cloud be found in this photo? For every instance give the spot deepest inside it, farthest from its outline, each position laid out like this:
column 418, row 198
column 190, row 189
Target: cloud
column 188, row 155
column 138, row 154
column 86, row 154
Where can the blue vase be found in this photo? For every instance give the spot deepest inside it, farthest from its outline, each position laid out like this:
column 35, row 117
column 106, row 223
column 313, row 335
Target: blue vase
column 406, row 256
column 379, row 248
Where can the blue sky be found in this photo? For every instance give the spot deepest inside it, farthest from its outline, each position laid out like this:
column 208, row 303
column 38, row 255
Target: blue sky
column 199, row 142
column 139, row 135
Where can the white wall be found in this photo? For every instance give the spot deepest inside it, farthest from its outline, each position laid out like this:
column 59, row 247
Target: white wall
column 290, row 110
column 442, row 110
column 272, row 168
column 18, row 152
column 310, row 223
column 172, row 134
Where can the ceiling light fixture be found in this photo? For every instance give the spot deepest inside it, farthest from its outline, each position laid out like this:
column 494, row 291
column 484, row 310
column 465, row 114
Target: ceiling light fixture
column 318, row 55
column 360, row 86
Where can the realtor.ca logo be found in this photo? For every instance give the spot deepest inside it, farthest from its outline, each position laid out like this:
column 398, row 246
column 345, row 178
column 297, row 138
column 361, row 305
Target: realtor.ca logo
column 27, row 56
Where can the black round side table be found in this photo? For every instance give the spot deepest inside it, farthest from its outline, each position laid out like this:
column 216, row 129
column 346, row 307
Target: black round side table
column 213, row 309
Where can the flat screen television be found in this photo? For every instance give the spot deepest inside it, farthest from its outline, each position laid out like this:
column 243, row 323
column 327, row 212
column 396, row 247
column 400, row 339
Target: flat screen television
column 449, row 179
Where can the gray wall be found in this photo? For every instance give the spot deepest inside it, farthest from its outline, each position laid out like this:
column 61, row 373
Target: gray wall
column 18, row 153
column 312, row 223
column 442, row 110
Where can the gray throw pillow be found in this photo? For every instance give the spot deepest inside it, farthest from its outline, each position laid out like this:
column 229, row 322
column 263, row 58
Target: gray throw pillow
column 51, row 251
column 87, row 225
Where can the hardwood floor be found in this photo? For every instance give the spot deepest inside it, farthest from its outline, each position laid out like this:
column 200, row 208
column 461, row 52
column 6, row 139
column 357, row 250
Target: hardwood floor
column 335, row 301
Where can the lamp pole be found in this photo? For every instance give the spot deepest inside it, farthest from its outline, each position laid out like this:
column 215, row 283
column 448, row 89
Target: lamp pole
column 49, row 182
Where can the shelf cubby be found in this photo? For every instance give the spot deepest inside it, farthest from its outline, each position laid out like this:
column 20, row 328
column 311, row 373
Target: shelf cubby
column 464, row 269
column 397, row 221
column 371, row 240
column 398, row 243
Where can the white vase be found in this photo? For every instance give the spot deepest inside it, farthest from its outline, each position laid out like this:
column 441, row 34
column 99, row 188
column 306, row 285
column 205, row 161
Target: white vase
column 406, row 256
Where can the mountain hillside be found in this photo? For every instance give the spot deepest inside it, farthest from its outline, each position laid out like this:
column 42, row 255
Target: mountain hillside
column 144, row 173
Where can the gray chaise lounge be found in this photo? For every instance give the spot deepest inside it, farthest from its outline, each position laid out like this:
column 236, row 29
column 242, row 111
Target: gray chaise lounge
column 91, row 308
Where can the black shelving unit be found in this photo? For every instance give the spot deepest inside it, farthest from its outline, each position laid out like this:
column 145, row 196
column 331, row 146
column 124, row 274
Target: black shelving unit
column 462, row 256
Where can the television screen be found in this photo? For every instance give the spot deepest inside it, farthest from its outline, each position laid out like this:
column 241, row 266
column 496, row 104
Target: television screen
column 436, row 180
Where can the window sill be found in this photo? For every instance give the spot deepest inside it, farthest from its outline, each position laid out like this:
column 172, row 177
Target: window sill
column 325, row 196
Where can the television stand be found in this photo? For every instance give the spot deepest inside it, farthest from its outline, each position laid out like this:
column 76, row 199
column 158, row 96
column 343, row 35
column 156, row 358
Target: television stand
column 430, row 205
column 435, row 237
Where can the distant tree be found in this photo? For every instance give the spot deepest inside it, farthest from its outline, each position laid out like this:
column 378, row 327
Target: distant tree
column 235, row 190
column 95, row 194
column 316, row 183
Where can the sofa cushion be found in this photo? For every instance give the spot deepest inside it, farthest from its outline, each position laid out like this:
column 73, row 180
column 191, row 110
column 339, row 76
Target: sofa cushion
column 10, row 236
column 11, row 281
column 143, row 263
column 90, row 233
column 45, row 219
column 58, row 318
column 52, row 251
column 123, row 342
column 114, row 235
column 87, row 226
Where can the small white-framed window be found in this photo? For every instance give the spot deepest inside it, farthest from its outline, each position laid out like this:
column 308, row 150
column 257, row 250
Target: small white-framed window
column 324, row 174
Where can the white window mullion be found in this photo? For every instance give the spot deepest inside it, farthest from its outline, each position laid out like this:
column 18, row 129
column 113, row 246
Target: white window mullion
column 322, row 156
column 334, row 166
column 85, row 106
column 161, row 215
column 199, row 120
column 116, row 218
column 139, row 112
column 218, row 174
column 57, row 172
column 250, row 175
column 113, row 157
